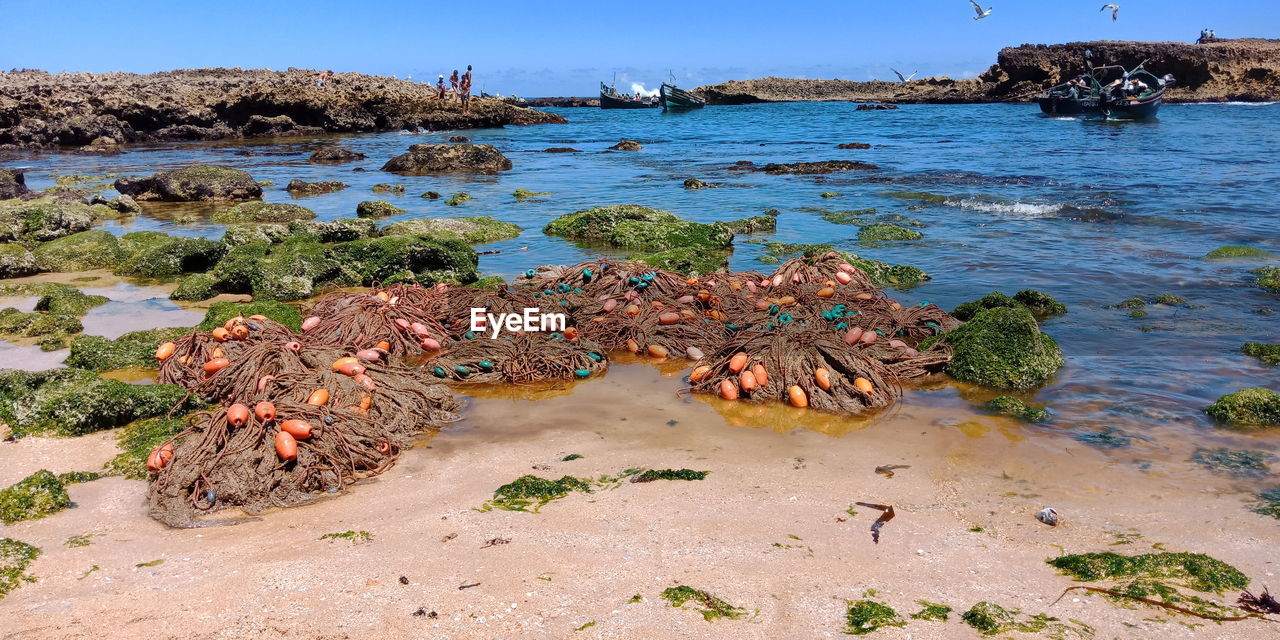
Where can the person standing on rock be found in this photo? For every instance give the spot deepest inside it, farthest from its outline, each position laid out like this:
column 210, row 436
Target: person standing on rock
column 466, row 90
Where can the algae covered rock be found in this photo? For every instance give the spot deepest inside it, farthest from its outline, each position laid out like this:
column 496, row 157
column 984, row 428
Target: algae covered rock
column 687, row 260
column 1247, row 408
column 377, row 209
column 885, row 232
column 157, row 255
column 16, row 261
column 1235, row 251
column 334, row 155
column 192, row 184
column 43, row 220
column 473, row 230
column 35, row 496
column 93, row 249
column 302, row 188
column 136, row 349
column 409, row 258
column 263, row 212
column 631, row 226
column 1002, row 348
column 72, row 402
column 425, row 159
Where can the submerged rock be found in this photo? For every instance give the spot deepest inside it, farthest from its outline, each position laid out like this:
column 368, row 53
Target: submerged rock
column 334, row 155
column 631, row 226
column 377, row 209
column 627, row 145
column 72, row 402
column 192, row 184
column 473, row 230
column 12, row 184
column 301, row 188
column 425, row 159
column 1002, row 348
column 1247, row 409
column 263, row 212
column 812, row 168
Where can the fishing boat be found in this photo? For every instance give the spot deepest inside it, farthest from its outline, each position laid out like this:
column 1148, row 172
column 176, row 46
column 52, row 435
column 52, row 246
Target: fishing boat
column 611, row 99
column 1110, row 91
column 677, row 99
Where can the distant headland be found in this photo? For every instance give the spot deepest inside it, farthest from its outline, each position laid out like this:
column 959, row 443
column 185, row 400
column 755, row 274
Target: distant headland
column 1246, row 69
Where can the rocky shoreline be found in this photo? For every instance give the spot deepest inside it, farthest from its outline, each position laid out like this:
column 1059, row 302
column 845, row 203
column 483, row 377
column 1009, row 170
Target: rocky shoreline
column 1246, row 69
column 99, row 112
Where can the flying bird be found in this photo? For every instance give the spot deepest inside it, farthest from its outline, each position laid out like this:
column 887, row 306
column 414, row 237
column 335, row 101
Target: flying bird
column 981, row 13
column 900, row 76
column 1115, row 10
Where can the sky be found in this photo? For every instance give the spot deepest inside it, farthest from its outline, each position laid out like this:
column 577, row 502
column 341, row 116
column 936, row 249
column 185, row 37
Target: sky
column 565, row 47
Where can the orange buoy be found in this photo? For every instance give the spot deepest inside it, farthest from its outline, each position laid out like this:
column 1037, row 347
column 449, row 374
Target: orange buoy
column 738, row 362
column 797, row 396
column 658, row 351
column 747, row 381
column 286, row 446
column 727, row 390
column 215, row 365
column 264, row 411
column 699, row 373
column 863, row 385
column 164, row 351
column 220, row 334
column 351, row 369
column 319, row 397
column 669, row 317
column 826, row 292
column 237, row 415
column 160, row 457
column 762, row 376
column 299, row 429
column 633, row 346
column 632, row 310
column 823, row 378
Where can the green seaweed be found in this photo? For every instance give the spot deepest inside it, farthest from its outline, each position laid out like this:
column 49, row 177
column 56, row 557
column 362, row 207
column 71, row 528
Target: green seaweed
column 1239, row 463
column 35, row 496
column 711, row 607
column 1252, row 408
column 1269, row 354
column 15, row 557
column 1015, row 408
column 866, row 616
column 931, row 611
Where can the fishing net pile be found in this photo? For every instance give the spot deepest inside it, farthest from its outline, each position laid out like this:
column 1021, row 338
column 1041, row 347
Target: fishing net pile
column 299, row 415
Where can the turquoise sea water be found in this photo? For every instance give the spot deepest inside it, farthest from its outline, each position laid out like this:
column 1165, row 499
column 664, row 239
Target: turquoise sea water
column 1091, row 212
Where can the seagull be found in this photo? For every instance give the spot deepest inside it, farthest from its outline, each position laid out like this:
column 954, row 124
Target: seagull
column 981, row 13
column 900, row 77
column 1115, row 10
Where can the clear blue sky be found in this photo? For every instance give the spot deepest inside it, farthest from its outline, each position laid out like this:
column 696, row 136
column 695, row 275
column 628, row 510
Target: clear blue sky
column 563, row 47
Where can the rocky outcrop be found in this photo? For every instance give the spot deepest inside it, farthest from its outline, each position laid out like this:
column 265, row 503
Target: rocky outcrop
column 44, row 110
column 12, row 184
column 192, row 184
column 1246, row 69
column 448, row 158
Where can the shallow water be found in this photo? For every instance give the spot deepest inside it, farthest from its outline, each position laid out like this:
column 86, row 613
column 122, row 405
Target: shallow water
column 1090, row 212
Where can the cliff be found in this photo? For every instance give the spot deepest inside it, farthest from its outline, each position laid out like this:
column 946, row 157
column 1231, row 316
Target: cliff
column 1228, row 70
column 42, row 110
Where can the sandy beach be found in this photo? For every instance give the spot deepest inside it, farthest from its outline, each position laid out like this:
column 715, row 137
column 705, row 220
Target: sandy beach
column 580, row 560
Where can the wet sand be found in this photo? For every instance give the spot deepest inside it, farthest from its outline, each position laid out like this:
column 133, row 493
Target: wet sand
column 583, row 557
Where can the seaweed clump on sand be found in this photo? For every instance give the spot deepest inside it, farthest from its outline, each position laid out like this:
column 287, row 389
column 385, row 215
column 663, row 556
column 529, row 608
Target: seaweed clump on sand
column 1002, row 348
column 1252, row 408
column 532, row 491
column 711, row 607
column 15, row 557
column 35, row 496
column 1269, row 354
column 1012, row 407
column 865, row 616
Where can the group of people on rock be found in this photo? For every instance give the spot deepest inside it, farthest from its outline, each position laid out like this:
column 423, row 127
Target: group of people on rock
column 460, row 87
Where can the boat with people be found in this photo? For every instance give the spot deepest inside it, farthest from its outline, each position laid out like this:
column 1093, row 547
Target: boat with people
column 677, row 99
column 1110, row 91
column 610, row 98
